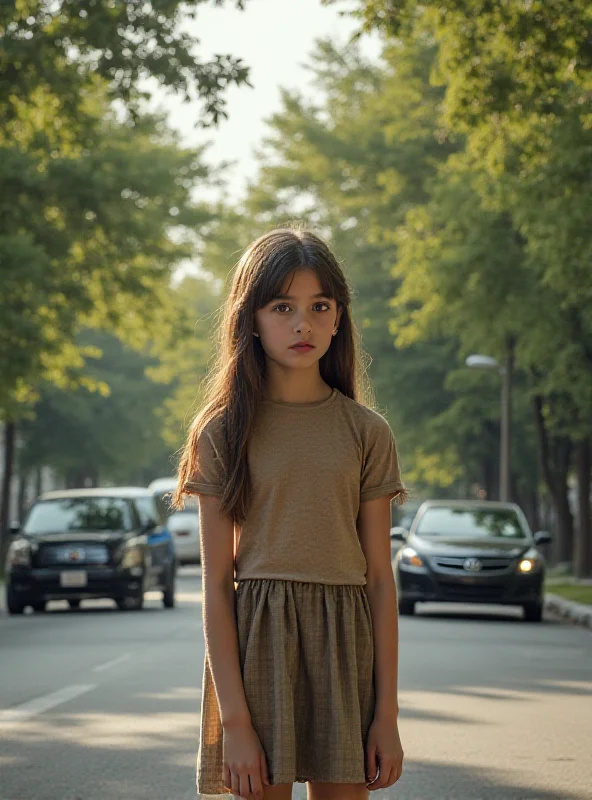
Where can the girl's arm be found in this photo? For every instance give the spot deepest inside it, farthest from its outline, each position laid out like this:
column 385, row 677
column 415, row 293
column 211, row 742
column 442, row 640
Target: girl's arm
column 244, row 763
column 217, row 558
column 384, row 745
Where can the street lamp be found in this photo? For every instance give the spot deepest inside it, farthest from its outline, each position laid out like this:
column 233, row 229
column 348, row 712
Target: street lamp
column 505, row 371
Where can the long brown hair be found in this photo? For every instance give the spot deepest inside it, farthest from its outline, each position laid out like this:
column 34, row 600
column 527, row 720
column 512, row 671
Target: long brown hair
column 236, row 385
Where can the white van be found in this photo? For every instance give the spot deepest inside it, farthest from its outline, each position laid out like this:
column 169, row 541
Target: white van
column 183, row 524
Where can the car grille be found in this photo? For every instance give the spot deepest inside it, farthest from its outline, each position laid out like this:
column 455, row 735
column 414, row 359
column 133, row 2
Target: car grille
column 455, row 591
column 73, row 554
column 489, row 565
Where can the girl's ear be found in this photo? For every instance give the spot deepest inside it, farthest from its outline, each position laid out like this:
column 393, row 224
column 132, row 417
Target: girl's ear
column 338, row 318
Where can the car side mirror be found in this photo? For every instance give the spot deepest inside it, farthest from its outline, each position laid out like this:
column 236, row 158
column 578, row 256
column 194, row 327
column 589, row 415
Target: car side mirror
column 542, row 537
column 399, row 534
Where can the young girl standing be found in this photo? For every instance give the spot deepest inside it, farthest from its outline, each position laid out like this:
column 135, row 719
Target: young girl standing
column 295, row 479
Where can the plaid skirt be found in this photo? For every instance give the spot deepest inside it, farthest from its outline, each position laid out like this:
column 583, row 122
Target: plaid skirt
column 307, row 662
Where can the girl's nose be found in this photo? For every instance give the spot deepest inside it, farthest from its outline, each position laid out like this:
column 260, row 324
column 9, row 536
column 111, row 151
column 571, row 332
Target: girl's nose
column 303, row 326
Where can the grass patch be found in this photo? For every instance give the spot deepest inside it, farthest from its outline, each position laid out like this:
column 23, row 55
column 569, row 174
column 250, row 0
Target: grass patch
column 579, row 593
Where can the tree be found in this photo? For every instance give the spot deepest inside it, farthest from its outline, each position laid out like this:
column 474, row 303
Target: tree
column 516, row 78
column 63, row 48
column 84, row 225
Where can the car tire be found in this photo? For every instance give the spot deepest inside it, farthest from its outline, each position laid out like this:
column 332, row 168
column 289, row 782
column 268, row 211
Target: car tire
column 131, row 602
column 12, row 604
column 74, row 604
column 39, row 607
column 533, row 612
column 407, row 608
column 168, row 595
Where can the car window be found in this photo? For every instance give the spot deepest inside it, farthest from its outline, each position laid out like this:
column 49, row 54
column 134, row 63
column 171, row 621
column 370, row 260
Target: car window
column 147, row 511
column 90, row 514
column 502, row 523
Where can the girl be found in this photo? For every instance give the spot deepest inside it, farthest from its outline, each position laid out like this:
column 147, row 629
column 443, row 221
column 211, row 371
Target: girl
column 295, row 479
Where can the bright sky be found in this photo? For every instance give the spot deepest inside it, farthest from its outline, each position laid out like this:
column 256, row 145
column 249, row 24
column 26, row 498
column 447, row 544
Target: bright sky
column 274, row 38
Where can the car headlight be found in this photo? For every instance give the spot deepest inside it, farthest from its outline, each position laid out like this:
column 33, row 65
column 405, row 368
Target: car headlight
column 132, row 557
column 529, row 562
column 410, row 558
column 19, row 554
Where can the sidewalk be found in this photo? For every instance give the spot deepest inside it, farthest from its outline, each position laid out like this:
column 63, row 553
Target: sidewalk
column 578, row 613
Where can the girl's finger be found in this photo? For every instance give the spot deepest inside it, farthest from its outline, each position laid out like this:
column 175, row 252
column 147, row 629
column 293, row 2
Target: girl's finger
column 235, row 783
column 264, row 770
column 385, row 771
column 371, row 764
column 256, row 784
column 390, row 778
column 226, row 777
column 245, row 786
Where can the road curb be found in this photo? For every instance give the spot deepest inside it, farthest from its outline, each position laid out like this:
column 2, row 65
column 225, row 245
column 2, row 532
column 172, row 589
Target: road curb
column 575, row 612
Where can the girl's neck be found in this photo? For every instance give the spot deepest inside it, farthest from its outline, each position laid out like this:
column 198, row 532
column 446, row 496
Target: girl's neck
column 296, row 386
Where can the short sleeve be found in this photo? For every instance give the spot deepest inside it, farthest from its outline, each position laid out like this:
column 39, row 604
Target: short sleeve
column 208, row 475
column 381, row 471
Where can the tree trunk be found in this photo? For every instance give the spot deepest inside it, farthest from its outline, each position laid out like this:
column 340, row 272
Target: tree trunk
column 489, row 477
column 583, row 538
column 9, row 437
column 556, row 479
column 22, row 496
column 38, row 481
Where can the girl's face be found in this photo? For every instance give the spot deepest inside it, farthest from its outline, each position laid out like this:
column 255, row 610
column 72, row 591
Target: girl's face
column 296, row 327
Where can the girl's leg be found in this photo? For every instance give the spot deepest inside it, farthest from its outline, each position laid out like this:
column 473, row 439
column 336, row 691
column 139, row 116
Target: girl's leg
column 337, row 791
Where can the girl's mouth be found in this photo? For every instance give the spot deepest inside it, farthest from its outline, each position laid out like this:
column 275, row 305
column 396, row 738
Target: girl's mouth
column 303, row 347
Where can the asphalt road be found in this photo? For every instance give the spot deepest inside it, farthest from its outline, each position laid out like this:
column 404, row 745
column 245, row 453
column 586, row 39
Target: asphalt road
column 103, row 705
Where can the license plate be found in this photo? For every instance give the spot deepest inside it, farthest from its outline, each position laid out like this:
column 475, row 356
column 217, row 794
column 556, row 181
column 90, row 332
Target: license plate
column 73, row 578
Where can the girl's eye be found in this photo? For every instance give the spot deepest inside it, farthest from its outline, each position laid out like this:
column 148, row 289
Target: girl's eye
column 281, row 307
column 326, row 306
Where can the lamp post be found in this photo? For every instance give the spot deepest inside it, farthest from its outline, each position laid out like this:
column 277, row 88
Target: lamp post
column 505, row 371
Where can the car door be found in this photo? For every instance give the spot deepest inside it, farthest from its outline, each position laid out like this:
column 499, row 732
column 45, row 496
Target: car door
column 157, row 540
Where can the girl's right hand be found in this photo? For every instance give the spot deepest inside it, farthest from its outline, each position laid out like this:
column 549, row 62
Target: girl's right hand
column 245, row 765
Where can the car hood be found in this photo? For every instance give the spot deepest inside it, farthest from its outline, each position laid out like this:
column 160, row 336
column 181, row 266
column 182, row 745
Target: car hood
column 86, row 537
column 448, row 545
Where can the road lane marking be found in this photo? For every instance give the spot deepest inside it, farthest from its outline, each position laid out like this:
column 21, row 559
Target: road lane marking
column 112, row 663
column 37, row 706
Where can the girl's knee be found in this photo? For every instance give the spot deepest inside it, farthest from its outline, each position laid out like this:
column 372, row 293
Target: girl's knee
column 337, row 791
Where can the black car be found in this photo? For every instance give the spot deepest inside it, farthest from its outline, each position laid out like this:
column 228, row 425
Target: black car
column 90, row 543
column 470, row 552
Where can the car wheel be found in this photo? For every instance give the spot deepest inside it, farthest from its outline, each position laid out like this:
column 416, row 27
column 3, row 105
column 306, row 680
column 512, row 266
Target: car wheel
column 407, row 608
column 131, row 603
column 74, row 604
column 533, row 612
column 39, row 607
column 12, row 604
column 168, row 595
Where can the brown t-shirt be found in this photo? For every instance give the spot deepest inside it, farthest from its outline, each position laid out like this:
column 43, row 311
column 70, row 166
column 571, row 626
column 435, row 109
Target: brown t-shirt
column 310, row 465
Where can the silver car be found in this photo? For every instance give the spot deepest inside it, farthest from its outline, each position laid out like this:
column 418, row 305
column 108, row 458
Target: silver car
column 183, row 524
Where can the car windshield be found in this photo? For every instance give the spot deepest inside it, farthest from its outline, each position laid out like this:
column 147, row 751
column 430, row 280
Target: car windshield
column 495, row 523
column 78, row 514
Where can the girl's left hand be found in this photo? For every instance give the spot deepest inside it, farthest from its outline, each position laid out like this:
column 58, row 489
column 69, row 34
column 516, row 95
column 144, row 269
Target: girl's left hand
column 383, row 750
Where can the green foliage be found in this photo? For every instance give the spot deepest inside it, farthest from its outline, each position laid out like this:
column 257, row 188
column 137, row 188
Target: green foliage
column 64, row 47
column 86, row 240
column 113, row 436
